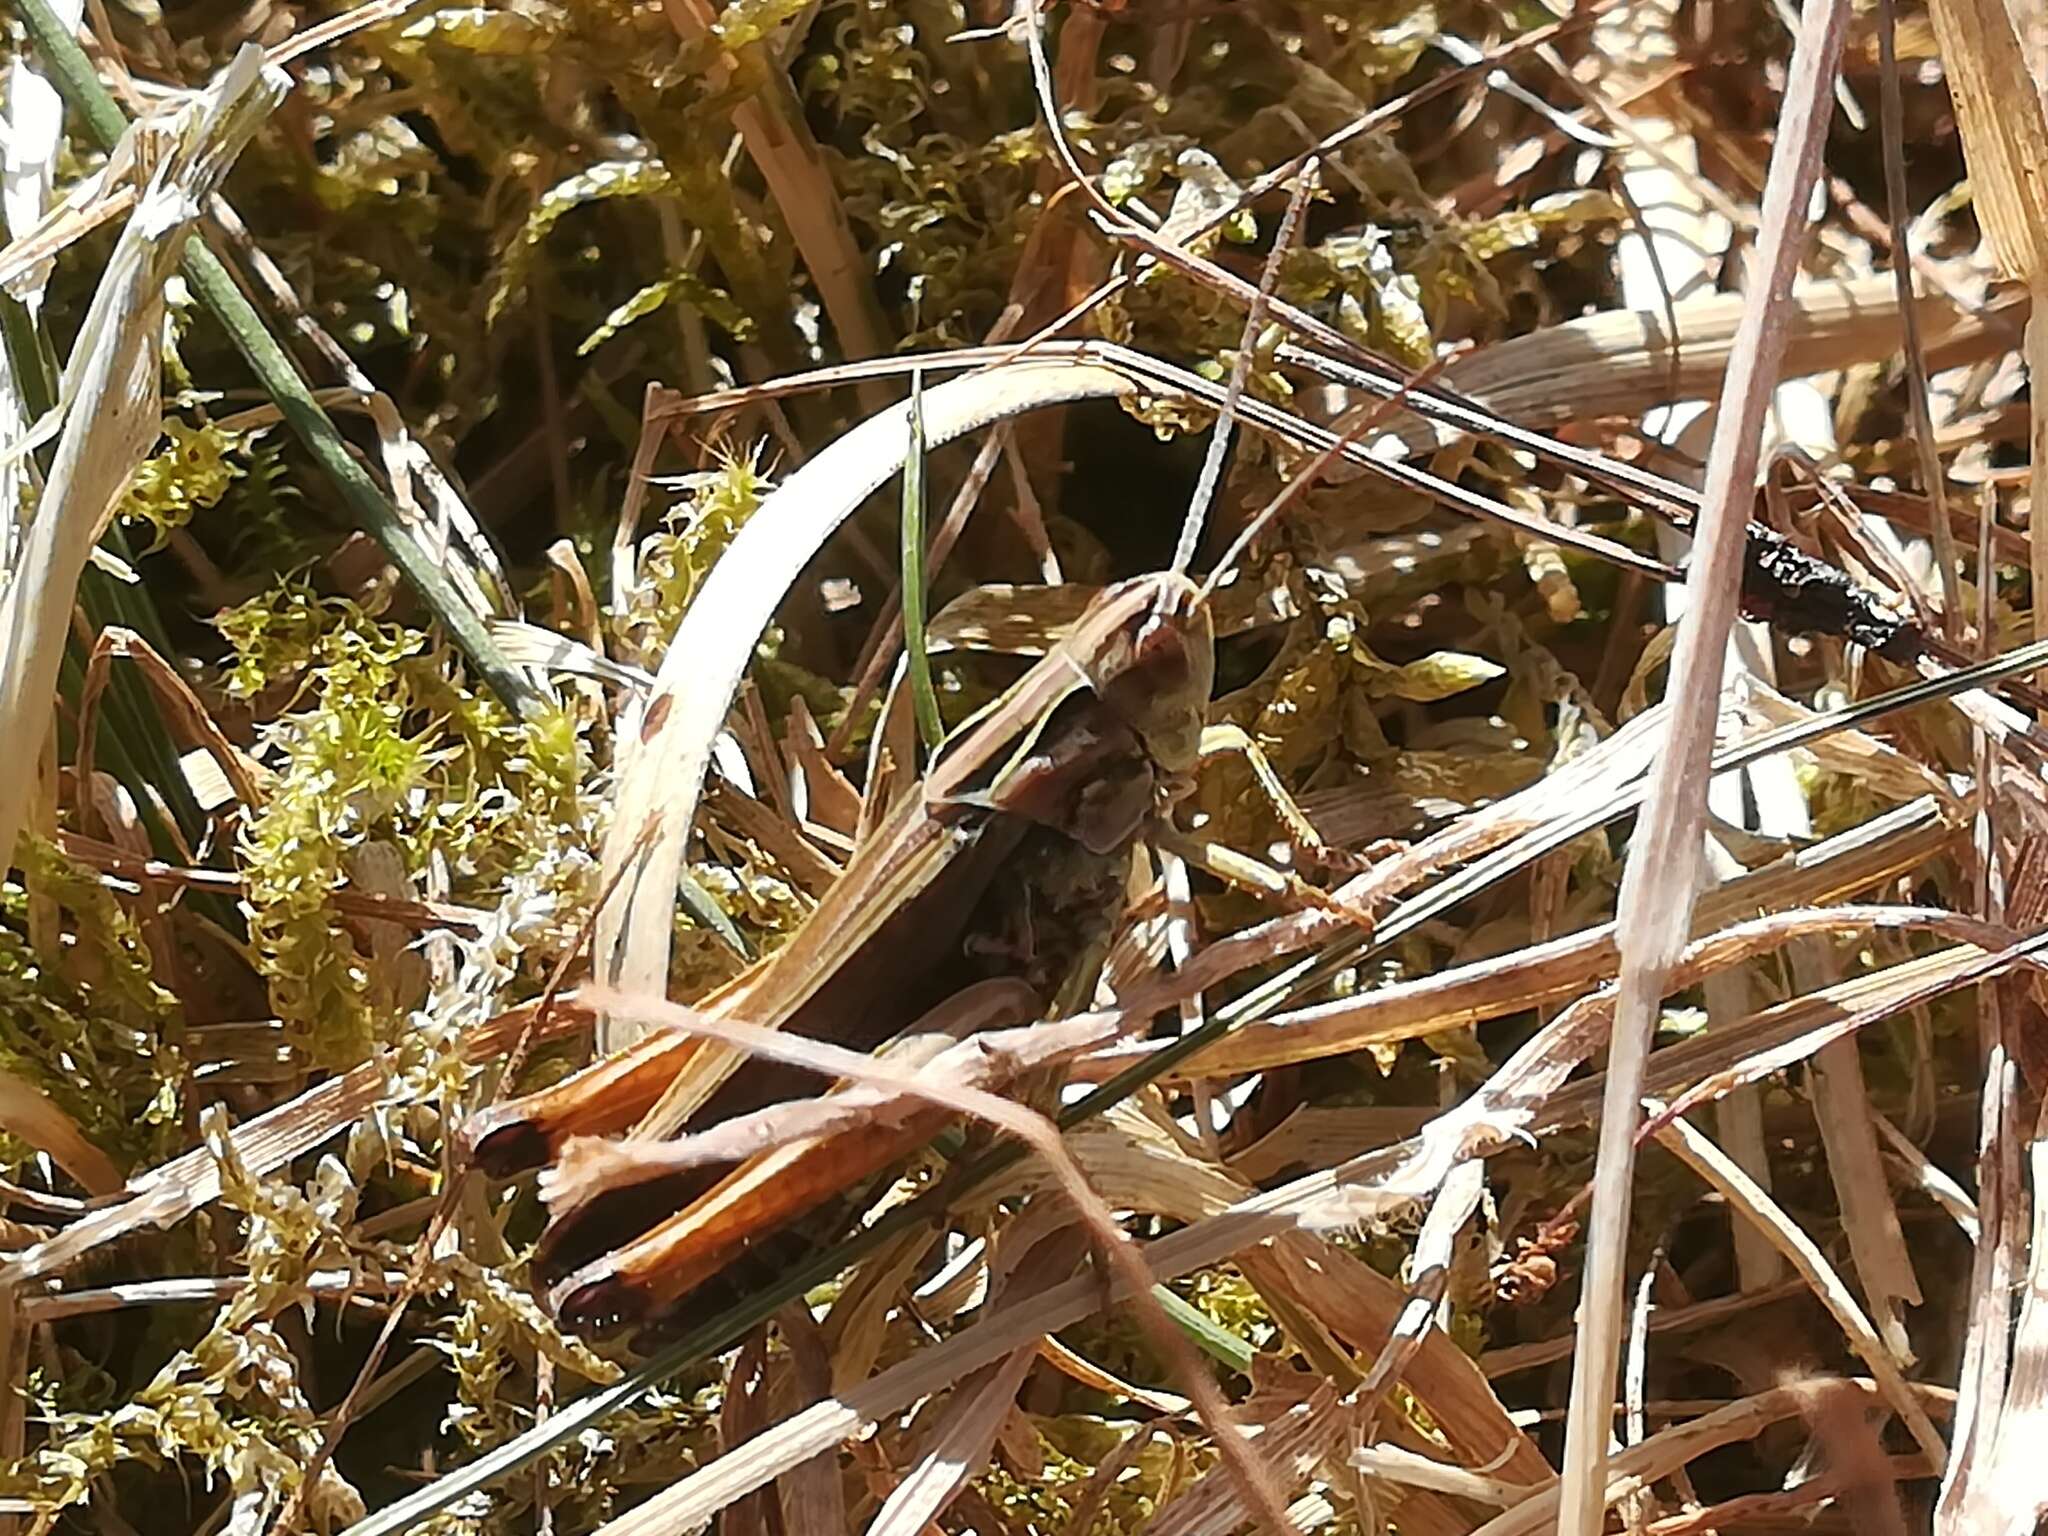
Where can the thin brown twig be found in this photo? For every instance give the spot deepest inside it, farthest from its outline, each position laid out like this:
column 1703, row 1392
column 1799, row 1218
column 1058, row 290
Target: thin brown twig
column 1298, row 484
column 1240, row 370
column 115, row 864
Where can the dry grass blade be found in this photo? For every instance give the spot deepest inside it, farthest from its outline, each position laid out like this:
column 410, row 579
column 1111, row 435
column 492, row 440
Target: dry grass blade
column 182, row 707
column 1406, row 1467
column 1657, row 892
column 1841, row 1103
column 771, row 123
column 2004, row 1492
column 1621, row 362
column 1705, row 1314
column 188, row 1183
column 1932, row 475
column 1570, row 820
column 1699, row 1070
column 812, row 1497
column 1999, row 1258
column 965, row 1433
column 1429, row 1274
column 1299, row 1425
column 338, row 1285
column 1610, row 772
column 1932, row 1181
column 1885, row 992
column 1128, row 1159
column 85, row 208
column 933, row 1060
column 2002, row 109
column 1670, row 1450
column 28, row 1113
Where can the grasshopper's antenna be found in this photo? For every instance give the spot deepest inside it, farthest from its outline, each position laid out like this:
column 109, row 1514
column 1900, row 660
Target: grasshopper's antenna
column 1301, row 482
column 1255, row 318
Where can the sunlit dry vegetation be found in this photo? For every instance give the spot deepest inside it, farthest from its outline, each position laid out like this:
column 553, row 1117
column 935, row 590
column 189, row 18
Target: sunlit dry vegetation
column 1275, row 629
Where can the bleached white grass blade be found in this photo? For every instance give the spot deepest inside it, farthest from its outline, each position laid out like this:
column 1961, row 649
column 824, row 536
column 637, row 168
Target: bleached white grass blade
column 1654, row 908
column 28, row 153
column 34, row 125
column 962, row 1449
column 2007, row 1496
column 109, row 403
column 1714, row 1165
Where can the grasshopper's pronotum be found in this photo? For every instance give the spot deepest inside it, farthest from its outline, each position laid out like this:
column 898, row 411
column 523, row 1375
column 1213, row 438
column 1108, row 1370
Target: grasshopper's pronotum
column 1098, row 738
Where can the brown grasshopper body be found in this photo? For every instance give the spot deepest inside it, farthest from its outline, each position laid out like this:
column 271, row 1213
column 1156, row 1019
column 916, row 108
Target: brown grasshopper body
column 1088, row 746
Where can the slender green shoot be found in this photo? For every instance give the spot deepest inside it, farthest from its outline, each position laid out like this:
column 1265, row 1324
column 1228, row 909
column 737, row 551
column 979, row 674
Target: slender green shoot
column 924, row 699
column 1207, row 1335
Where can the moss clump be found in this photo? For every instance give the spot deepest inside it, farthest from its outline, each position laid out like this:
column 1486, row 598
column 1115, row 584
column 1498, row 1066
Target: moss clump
column 186, row 477
column 385, row 741
column 83, row 1017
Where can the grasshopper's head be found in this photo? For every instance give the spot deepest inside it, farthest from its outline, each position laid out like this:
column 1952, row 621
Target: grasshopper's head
column 1155, row 671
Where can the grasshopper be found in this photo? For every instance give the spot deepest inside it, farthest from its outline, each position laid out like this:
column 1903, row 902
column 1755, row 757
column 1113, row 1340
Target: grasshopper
column 1097, row 739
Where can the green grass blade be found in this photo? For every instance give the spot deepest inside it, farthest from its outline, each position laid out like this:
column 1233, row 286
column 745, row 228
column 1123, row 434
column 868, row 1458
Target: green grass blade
column 924, row 699
column 1207, row 1335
